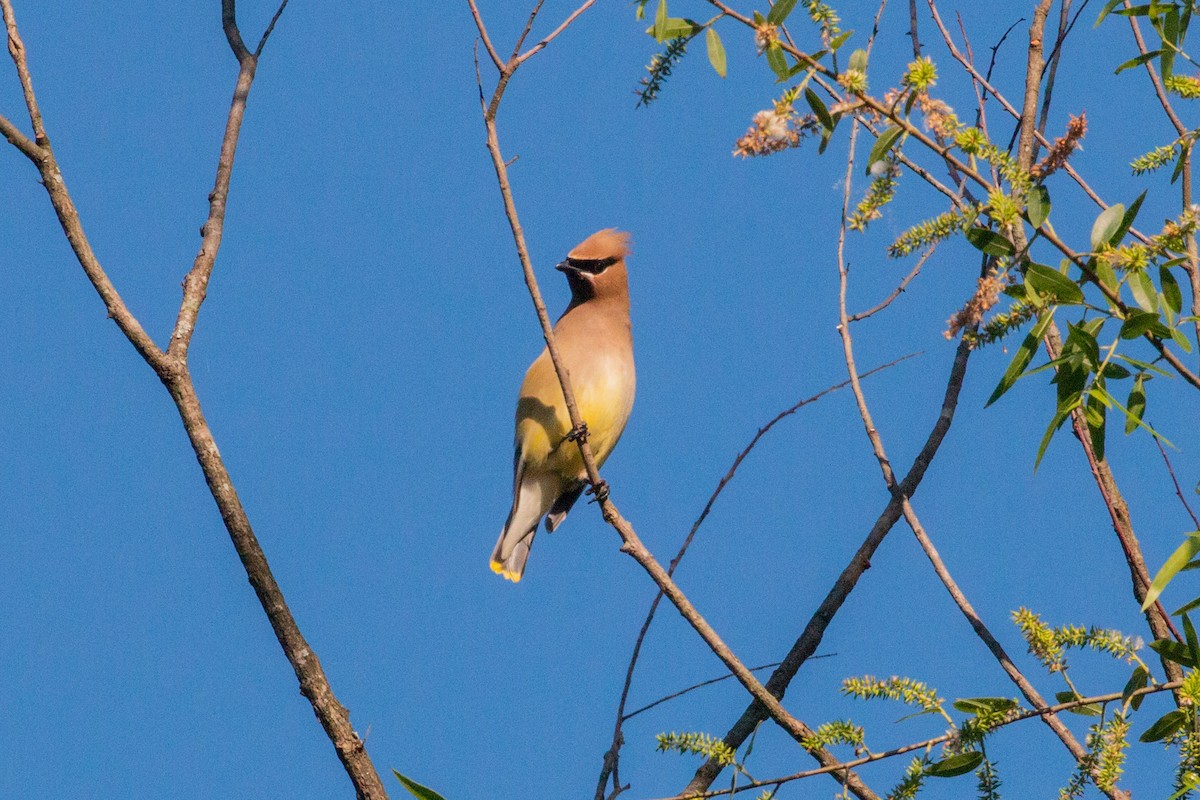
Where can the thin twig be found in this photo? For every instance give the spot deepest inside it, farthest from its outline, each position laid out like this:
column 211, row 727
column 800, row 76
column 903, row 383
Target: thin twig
column 195, row 285
column 887, row 301
column 934, row 742
column 20, row 141
column 631, row 543
column 270, row 27
column 912, row 28
column 984, row 81
column 171, row 368
column 1175, row 483
column 612, row 755
column 692, row 688
column 1192, row 265
column 487, row 42
column 16, row 49
column 553, row 34
column 232, row 34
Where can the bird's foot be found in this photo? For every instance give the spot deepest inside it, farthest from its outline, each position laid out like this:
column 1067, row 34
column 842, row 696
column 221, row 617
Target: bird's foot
column 579, row 434
column 600, row 490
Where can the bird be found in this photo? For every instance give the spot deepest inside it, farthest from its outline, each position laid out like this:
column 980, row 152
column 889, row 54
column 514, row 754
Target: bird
column 595, row 342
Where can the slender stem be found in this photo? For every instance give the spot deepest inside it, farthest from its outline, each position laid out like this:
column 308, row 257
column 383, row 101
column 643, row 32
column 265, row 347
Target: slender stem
column 983, row 81
column 314, row 684
column 487, row 41
column 554, row 34
column 171, row 368
column 928, row 744
column 899, row 290
column 631, row 543
column 611, row 757
column 1192, row 265
column 16, row 49
column 195, row 285
column 1175, row 483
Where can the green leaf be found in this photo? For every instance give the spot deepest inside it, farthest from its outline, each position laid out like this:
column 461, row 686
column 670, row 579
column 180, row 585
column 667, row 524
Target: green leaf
column 1189, row 635
column 1143, row 290
column 1137, row 61
column 1172, row 297
column 777, row 61
column 660, row 21
column 1181, row 340
column 883, row 145
column 1038, row 205
column 955, row 765
column 1170, row 35
column 1185, row 149
column 716, row 51
column 1051, row 282
column 1137, row 323
column 1116, row 372
column 1104, row 12
column 1095, row 421
column 840, row 40
column 780, row 11
column 1173, row 651
column 1104, row 271
column 1087, row 710
column 818, row 108
column 1106, row 225
column 1127, row 219
column 982, row 705
column 1059, row 418
column 1166, row 725
column 675, row 28
column 1191, row 605
column 858, row 60
column 1136, row 405
column 1182, row 555
column 989, row 242
column 1022, row 357
column 1137, row 680
column 417, row 790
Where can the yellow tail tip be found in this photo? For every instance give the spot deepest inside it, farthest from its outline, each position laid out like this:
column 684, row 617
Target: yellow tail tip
column 508, row 575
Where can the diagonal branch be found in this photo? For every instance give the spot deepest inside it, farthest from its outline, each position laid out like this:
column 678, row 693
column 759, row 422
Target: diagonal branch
column 171, row 368
column 611, row 757
column 16, row 49
column 195, row 285
column 931, row 743
column 20, row 141
column 631, row 543
column 554, row 34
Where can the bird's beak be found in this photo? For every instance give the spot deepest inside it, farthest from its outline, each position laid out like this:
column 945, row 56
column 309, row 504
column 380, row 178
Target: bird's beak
column 565, row 266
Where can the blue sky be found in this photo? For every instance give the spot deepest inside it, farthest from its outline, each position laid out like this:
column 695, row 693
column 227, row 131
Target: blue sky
column 358, row 359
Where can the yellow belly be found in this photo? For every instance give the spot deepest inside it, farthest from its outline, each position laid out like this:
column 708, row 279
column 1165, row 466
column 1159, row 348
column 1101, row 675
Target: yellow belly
column 604, row 397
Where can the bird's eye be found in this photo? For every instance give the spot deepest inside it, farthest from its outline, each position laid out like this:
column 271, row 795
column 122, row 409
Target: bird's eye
column 593, row 265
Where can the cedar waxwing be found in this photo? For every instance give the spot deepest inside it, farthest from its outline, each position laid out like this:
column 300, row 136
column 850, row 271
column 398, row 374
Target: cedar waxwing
column 596, row 345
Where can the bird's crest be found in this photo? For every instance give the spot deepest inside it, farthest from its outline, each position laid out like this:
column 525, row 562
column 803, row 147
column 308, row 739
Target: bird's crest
column 605, row 244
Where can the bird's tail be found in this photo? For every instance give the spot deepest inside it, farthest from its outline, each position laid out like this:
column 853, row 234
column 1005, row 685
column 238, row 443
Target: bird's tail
column 534, row 496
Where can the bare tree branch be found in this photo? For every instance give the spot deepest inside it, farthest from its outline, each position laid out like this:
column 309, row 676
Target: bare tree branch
column 631, row 543
column 1175, row 483
column 20, row 141
column 554, row 34
column 487, row 41
column 983, row 81
column 611, row 757
column 195, row 285
column 928, row 744
column 171, row 368
column 899, row 290
column 1192, row 265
